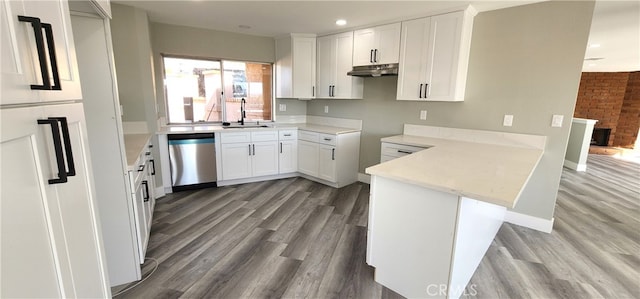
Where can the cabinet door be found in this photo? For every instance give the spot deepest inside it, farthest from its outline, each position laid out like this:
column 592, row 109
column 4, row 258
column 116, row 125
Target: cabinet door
column 236, row 160
column 326, row 66
column 304, row 67
column 288, row 157
column 264, row 158
column 308, row 157
column 412, row 75
column 388, row 44
column 28, row 243
column 327, row 163
column 49, row 231
column 444, row 50
column 141, row 222
column 21, row 65
column 363, row 45
column 345, row 86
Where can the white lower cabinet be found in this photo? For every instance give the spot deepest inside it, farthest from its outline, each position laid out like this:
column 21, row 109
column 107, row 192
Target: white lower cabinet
column 308, row 157
column 249, row 154
column 288, row 156
column 141, row 181
column 327, row 163
column 331, row 158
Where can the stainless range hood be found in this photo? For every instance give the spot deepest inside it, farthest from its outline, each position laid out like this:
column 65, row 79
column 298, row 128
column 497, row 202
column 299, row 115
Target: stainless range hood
column 374, row 70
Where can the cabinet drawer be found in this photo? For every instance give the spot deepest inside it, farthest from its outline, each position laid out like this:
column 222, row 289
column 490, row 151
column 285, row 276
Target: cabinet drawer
column 308, row 136
column 269, row 135
column 235, row 137
column 288, row 134
column 328, row 139
column 398, row 150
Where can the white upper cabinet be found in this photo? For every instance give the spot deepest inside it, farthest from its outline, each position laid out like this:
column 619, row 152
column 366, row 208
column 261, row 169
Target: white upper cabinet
column 38, row 55
column 434, row 54
column 335, row 59
column 376, row 45
column 296, row 66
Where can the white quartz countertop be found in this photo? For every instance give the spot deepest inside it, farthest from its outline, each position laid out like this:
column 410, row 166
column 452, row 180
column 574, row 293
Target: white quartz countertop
column 219, row 128
column 491, row 173
column 134, row 145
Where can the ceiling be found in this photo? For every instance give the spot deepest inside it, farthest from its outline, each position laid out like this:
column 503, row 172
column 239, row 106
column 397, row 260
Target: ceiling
column 616, row 24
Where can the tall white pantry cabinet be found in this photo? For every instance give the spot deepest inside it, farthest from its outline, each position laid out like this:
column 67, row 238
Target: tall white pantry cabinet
column 51, row 243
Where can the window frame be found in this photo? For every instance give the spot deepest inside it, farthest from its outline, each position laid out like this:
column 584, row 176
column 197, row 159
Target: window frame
column 224, row 96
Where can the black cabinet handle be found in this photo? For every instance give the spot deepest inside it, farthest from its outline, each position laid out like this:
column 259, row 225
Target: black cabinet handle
column 254, row 149
column 57, row 146
column 52, row 56
column 405, row 152
column 42, row 57
column 147, row 153
column 64, row 125
column 313, row 91
column 426, row 88
column 281, row 147
column 150, row 145
column 249, row 149
column 145, row 195
column 153, row 167
column 375, row 55
column 371, row 56
column 140, row 167
column 333, row 154
column 420, row 93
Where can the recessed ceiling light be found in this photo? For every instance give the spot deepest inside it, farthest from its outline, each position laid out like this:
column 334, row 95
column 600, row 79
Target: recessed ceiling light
column 244, row 27
column 341, row 22
column 594, row 46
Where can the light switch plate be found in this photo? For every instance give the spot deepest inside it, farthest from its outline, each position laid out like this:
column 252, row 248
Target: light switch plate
column 283, row 107
column 556, row 121
column 326, row 109
column 508, row 120
column 423, row 114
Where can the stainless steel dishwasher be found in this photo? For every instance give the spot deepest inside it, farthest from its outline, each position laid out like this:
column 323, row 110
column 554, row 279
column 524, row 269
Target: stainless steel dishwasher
column 193, row 160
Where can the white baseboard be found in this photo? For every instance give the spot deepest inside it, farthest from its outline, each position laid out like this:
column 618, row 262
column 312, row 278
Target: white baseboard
column 575, row 166
column 364, row 178
column 539, row 224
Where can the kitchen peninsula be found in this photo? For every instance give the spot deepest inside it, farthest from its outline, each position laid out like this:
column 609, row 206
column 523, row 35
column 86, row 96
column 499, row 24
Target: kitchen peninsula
column 434, row 213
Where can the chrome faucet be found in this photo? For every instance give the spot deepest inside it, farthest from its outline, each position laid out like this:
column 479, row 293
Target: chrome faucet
column 243, row 111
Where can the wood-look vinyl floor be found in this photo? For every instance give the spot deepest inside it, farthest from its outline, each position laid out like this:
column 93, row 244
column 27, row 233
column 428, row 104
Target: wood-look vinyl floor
column 296, row 238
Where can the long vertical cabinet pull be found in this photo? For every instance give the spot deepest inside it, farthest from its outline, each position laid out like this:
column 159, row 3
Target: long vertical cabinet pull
column 375, row 55
column 52, row 56
column 38, row 26
column 426, row 88
column 67, row 145
column 281, row 147
column 420, row 93
column 333, row 154
column 42, row 57
column 57, row 145
column 145, row 196
column 254, row 149
column 249, row 149
column 153, row 167
column 371, row 56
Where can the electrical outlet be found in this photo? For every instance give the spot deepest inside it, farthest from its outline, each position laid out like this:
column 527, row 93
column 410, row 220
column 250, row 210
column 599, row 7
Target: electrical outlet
column 326, row 109
column 283, row 107
column 423, row 114
column 508, row 120
column 556, row 121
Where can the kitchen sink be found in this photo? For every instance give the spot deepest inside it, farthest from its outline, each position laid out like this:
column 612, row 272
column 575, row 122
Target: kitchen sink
column 244, row 126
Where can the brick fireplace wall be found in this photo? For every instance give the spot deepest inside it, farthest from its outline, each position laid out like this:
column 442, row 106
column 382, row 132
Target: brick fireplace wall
column 612, row 99
column 629, row 120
